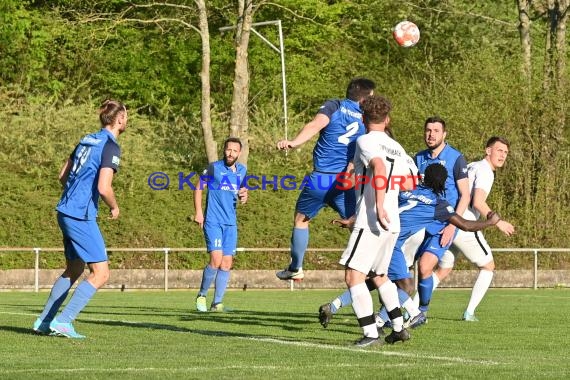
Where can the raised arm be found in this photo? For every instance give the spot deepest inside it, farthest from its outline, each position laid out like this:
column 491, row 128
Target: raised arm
column 309, row 130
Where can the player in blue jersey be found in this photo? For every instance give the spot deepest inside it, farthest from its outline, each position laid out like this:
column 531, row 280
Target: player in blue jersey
column 339, row 124
column 419, row 209
column 224, row 179
column 86, row 175
column 436, row 242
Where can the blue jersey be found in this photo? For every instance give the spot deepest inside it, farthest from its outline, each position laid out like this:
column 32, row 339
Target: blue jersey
column 337, row 141
column 455, row 164
column 80, row 197
column 421, row 207
column 223, row 186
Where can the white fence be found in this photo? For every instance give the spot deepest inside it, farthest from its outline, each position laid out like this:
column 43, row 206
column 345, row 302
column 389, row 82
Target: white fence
column 166, row 251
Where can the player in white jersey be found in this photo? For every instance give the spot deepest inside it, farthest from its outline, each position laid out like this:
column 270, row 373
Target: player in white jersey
column 380, row 171
column 473, row 244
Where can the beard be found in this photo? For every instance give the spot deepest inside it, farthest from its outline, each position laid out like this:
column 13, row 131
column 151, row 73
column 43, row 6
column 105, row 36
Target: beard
column 434, row 144
column 229, row 161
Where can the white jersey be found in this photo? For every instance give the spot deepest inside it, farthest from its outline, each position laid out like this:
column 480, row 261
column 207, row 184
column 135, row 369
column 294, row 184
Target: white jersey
column 481, row 176
column 399, row 165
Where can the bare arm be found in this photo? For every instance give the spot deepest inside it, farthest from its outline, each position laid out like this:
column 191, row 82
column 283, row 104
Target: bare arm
column 464, row 198
column 379, row 170
column 106, row 190
column 243, row 195
column 199, row 217
column 309, row 130
column 480, row 204
column 64, row 171
column 474, row 225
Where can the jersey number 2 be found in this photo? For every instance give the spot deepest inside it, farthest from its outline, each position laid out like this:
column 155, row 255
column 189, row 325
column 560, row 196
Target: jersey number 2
column 351, row 130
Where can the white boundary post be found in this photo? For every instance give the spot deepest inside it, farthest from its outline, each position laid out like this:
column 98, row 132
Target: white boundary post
column 37, row 270
column 535, row 252
column 166, row 251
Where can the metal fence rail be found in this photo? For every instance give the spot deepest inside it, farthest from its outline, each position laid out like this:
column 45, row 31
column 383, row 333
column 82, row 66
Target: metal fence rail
column 167, row 251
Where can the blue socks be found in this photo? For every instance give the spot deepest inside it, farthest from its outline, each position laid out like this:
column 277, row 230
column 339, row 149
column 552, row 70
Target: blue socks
column 299, row 244
column 425, row 290
column 56, row 297
column 222, row 279
column 345, row 299
column 208, row 277
column 82, row 295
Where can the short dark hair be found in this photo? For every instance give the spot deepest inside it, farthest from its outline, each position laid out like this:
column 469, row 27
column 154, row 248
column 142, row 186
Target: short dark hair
column 435, row 119
column 495, row 139
column 359, row 88
column 376, row 108
column 109, row 111
column 232, row 140
column 435, row 177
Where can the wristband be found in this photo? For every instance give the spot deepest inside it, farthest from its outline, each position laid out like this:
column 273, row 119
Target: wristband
column 490, row 215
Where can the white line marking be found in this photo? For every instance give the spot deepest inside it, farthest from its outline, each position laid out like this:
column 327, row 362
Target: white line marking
column 376, row 352
column 195, row 369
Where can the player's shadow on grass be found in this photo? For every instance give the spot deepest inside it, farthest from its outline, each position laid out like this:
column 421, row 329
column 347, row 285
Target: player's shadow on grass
column 284, row 320
column 144, row 325
column 287, row 321
column 134, row 311
column 19, row 330
column 211, row 333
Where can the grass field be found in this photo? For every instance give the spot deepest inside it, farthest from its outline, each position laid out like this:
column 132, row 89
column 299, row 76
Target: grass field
column 523, row 334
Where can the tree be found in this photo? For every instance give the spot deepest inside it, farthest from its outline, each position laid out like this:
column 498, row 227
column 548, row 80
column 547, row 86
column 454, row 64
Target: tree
column 239, row 119
column 161, row 14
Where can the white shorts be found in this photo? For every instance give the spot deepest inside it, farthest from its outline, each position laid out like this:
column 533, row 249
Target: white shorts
column 474, row 246
column 411, row 246
column 447, row 261
column 369, row 251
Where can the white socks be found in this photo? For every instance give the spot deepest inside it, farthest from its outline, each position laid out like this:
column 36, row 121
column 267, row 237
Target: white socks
column 479, row 289
column 364, row 309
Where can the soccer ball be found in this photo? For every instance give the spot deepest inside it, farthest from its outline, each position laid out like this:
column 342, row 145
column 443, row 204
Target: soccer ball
column 406, row 33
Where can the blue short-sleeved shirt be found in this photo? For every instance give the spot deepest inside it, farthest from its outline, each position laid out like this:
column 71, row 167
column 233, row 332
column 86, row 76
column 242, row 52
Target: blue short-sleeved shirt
column 455, row 164
column 419, row 209
column 80, row 196
column 223, row 186
column 337, row 141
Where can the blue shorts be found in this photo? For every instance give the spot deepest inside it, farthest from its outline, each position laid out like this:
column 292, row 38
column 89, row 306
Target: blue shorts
column 221, row 237
column 323, row 189
column 398, row 268
column 432, row 244
column 82, row 239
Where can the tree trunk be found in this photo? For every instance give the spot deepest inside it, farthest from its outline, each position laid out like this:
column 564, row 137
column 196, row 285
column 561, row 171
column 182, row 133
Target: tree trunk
column 524, row 32
column 563, row 7
column 239, row 119
column 206, row 119
column 549, row 46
